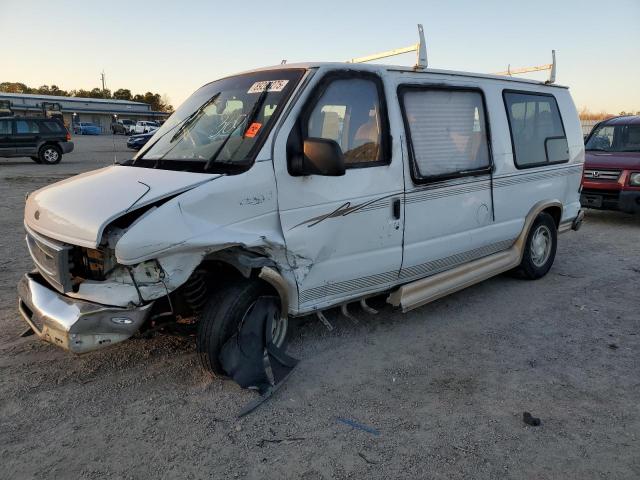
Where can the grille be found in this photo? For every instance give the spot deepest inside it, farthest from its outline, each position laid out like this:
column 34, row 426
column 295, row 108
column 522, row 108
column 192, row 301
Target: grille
column 51, row 259
column 594, row 174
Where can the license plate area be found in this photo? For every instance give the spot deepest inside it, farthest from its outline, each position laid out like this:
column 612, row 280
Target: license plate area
column 594, row 201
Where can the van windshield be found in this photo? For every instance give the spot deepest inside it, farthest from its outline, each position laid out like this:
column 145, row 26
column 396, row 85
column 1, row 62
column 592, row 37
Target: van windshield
column 222, row 125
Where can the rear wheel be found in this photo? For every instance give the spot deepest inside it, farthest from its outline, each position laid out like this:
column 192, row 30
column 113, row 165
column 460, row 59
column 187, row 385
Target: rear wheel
column 50, row 154
column 540, row 249
column 35, row 159
column 224, row 314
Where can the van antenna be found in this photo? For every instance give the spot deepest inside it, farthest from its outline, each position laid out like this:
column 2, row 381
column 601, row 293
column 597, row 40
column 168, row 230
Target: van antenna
column 420, row 48
column 548, row 66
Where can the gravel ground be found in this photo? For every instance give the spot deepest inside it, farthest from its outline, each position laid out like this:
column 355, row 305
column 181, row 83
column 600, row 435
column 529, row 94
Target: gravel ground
column 444, row 386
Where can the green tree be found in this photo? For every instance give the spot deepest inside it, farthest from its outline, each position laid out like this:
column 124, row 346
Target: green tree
column 14, row 87
column 99, row 93
column 51, row 90
column 122, row 94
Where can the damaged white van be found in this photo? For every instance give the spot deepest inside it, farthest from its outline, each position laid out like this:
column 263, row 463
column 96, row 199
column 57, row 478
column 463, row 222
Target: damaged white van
column 318, row 184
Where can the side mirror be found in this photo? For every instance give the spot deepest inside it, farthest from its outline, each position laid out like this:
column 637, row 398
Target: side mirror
column 320, row 156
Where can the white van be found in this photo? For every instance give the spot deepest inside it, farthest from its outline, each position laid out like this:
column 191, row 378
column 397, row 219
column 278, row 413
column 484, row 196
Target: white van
column 320, row 184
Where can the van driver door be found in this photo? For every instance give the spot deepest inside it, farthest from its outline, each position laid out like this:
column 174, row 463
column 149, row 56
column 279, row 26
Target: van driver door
column 343, row 233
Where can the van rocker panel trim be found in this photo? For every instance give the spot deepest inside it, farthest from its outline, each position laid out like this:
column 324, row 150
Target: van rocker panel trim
column 426, row 290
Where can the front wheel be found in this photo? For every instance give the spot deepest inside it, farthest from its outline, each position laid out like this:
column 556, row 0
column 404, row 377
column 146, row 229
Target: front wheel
column 50, row 154
column 224, row 314
column 35, row 159
column 540, row 249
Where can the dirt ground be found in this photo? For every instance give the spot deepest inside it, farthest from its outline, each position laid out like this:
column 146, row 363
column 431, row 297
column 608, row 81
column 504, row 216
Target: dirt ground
column 444, row 387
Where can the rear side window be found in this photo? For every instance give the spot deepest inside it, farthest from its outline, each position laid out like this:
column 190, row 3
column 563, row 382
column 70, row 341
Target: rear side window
column 447, row 131
column 5, row 127
column 537, row 132
column 52, row 126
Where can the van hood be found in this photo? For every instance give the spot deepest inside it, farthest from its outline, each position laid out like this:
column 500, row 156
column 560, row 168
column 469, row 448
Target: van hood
column 78, row 209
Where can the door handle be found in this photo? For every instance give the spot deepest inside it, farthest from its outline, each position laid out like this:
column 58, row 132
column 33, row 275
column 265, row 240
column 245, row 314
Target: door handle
column 396, row 208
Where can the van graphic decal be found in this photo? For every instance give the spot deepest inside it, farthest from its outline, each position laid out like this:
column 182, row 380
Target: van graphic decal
column 343, row 210
column 445, row 189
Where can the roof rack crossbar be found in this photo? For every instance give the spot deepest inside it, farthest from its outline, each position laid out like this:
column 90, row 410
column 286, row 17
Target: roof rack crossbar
column 420, row 48
column 548, row 66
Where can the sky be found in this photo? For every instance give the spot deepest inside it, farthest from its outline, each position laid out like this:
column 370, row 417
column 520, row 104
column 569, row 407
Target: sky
column 174, row 47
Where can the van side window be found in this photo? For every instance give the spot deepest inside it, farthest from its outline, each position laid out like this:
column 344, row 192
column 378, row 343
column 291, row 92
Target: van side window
column 26, row 126
column 447, row 131
column 537, row 132
column 348, row 111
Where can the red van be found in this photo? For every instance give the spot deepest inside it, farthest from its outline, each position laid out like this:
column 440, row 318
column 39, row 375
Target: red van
column 611, row 178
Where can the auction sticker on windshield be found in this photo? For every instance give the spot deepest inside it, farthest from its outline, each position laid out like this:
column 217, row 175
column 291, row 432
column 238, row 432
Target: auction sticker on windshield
column 274, row 86
column 252, row 131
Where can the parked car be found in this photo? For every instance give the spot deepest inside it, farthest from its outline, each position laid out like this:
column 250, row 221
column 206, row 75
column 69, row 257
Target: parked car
column 136, row 142
column 124, row 127
column 86, row 128
column 373, row 180
column 611, row 179
column 143, row 126
column 44, row 140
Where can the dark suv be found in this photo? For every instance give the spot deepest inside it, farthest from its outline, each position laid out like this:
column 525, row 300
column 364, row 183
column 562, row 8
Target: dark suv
column 42, row 139
column 124, row 126
column 611, row 178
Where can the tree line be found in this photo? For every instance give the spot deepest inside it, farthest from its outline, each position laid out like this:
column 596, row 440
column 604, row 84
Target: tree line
column 158, row 102
column 586, row 114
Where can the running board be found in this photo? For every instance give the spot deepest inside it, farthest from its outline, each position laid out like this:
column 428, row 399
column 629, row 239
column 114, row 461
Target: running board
column 426, row 290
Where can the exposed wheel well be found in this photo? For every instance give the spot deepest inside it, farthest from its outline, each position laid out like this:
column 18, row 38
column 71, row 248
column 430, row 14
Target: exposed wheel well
column 556, row 214
column 233, row 264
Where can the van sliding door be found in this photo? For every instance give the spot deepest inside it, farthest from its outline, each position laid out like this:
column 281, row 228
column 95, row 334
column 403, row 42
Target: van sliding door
column 448, row 202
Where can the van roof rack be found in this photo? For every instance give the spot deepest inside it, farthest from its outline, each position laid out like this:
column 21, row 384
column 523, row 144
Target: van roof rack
column 538, row 68
column 421, row 62
column 420, row 48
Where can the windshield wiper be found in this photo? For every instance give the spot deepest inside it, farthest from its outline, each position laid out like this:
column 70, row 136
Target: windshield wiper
column 182, row 126
column 596, row 150
column 249, row 120
column 193, row 117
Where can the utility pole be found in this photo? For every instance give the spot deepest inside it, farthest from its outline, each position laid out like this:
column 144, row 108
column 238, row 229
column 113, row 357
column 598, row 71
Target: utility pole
column 102, row 78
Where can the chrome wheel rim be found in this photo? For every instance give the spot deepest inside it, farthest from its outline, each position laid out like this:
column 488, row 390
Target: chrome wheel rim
column 541, row 241
column 50, row 155
column 279, row 325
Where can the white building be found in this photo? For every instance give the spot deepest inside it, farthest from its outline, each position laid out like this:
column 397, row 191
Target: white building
column 76, row 109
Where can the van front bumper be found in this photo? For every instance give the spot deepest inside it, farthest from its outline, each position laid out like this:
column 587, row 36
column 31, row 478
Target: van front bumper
column 75, row 325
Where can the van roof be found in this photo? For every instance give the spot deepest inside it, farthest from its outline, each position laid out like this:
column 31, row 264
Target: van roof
column 375, row 67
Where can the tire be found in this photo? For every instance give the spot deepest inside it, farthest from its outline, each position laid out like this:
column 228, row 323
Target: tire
column 540, row 248
column 35, row 159
column 50, row 154
column 222, row 316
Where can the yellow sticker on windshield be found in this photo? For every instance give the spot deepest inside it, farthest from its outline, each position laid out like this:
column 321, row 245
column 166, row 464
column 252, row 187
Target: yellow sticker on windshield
column 274, row 86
